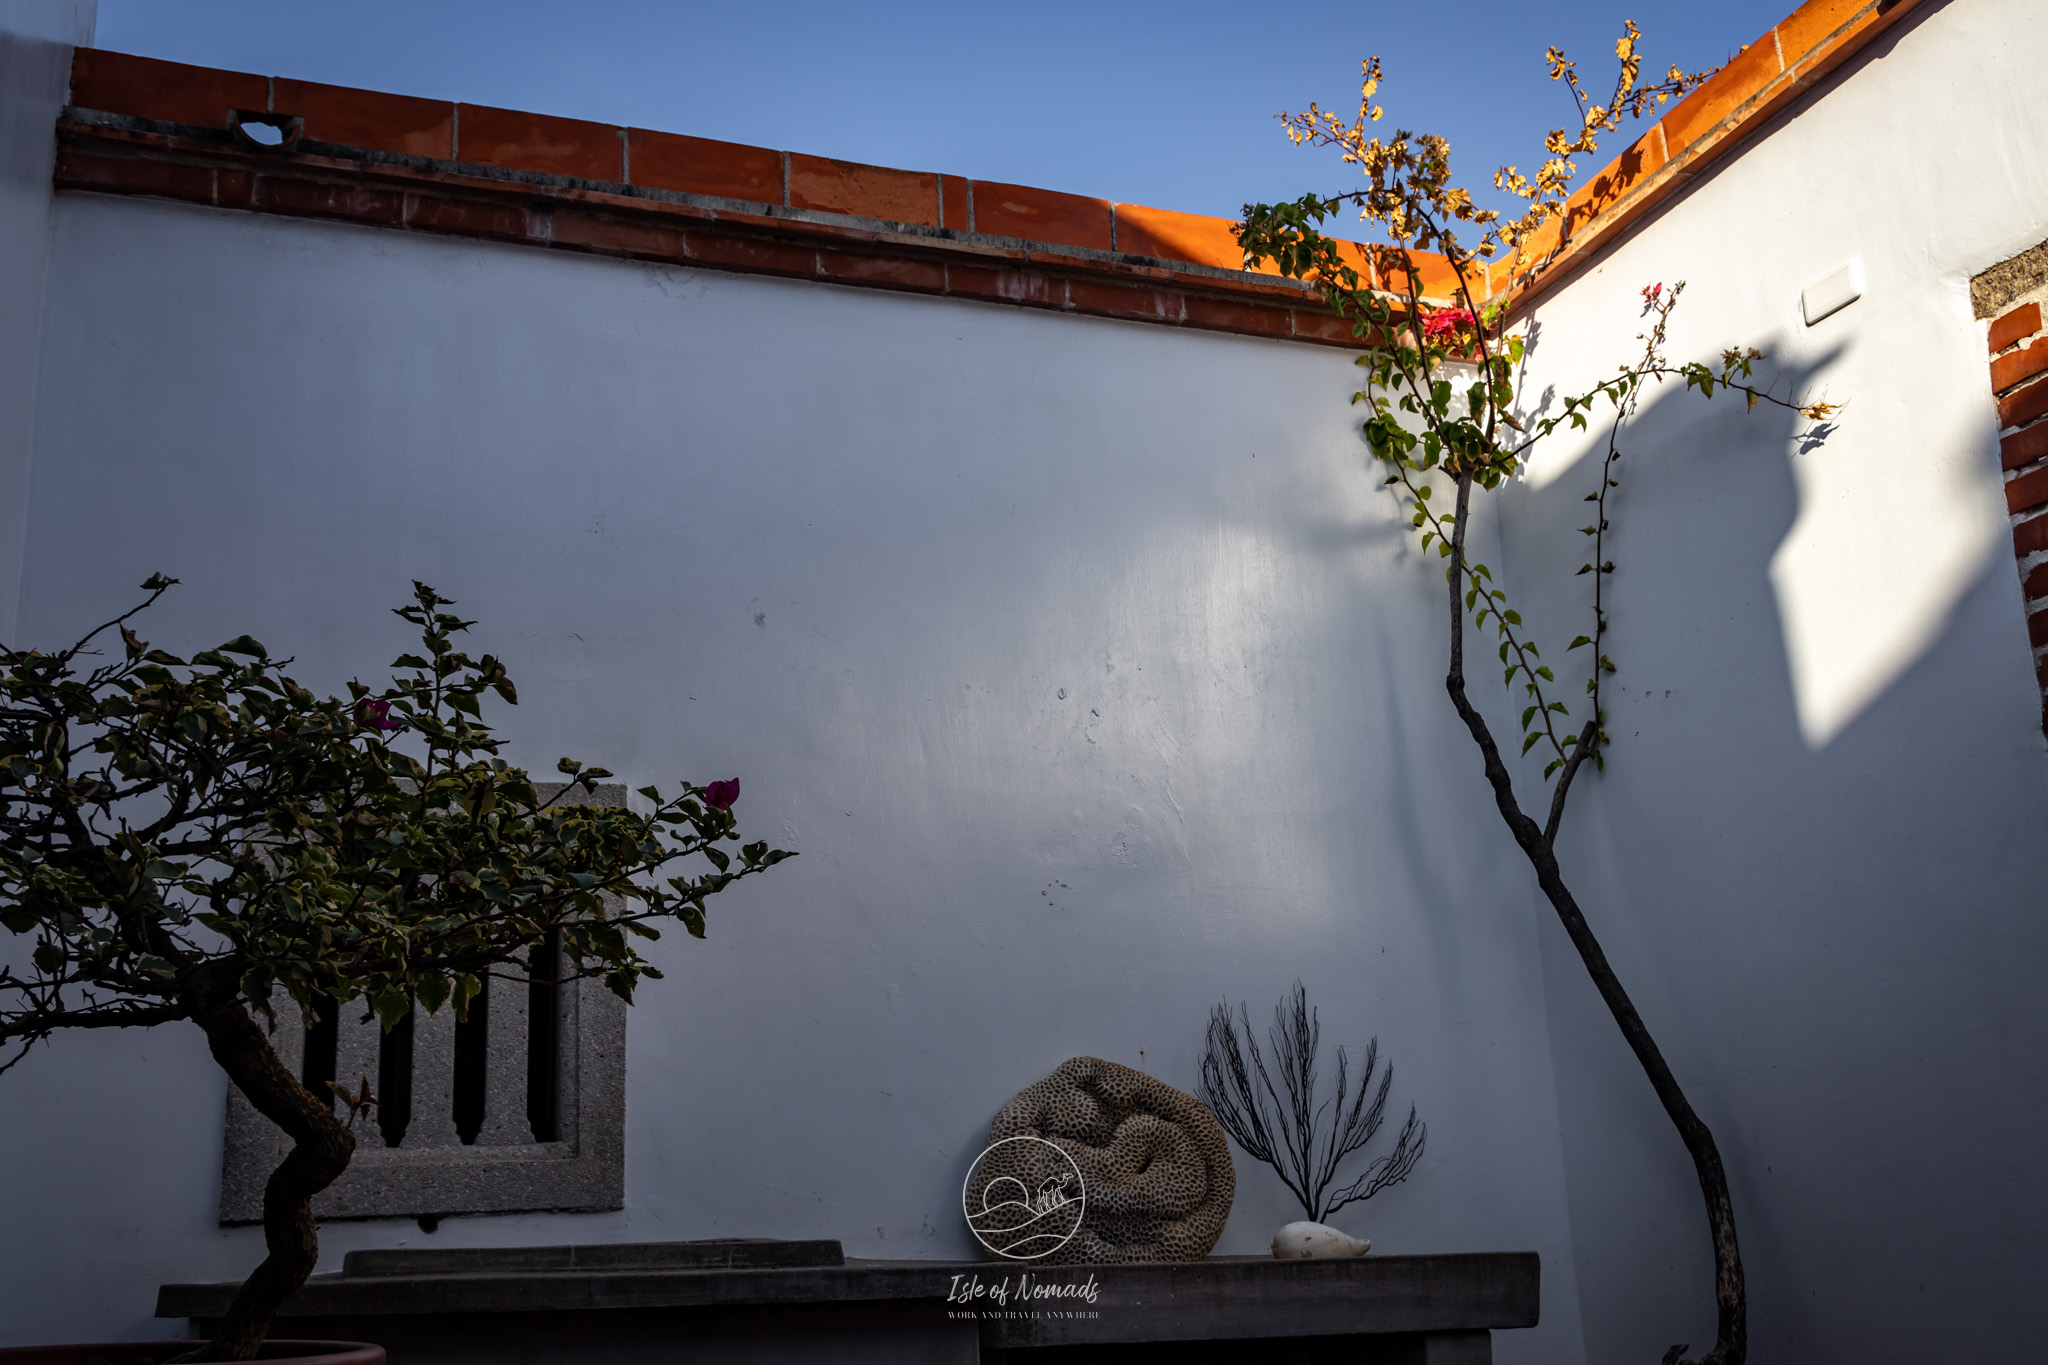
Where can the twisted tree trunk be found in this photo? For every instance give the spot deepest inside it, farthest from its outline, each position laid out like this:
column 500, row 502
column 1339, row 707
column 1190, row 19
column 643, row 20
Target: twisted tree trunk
column 321, row 1147
column 1731, row 1341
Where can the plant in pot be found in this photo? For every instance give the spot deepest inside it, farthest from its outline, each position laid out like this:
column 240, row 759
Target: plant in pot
column 190, row 839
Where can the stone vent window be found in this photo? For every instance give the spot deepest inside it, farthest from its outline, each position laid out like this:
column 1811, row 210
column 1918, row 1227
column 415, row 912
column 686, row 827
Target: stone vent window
column 520, row 1107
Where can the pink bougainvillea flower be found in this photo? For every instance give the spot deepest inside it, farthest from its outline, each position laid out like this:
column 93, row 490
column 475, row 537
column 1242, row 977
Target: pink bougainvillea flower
column 721, row 795
column 1651, row 292
column 376, row 715
column 1446, row 321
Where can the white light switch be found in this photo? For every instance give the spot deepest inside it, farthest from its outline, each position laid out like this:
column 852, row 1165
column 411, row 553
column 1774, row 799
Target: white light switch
column 1832, row 292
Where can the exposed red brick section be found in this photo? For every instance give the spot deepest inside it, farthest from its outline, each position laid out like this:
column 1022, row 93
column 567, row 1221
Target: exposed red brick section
column 142, row 87
column 2023, row 321
column 848, row 187
column 2028, row 491
column 2030, row 537
column 1042, row 215
column 2024, row 454
column 702, row 165
column 368, row 118
column 2023, row 405
column 2016, row 366
column 2024, row 447
column 520, row 141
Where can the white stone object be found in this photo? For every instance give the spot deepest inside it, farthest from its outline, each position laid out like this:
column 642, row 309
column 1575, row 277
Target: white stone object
column 1832, row 292
column 1316, row 1242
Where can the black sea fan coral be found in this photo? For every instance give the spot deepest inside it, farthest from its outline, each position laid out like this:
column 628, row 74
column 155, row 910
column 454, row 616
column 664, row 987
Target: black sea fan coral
column 1272, row 1112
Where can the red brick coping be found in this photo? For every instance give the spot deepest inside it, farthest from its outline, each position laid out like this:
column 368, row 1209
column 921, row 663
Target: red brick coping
column 147, row 127
column 141, row 126
column 1705, row 126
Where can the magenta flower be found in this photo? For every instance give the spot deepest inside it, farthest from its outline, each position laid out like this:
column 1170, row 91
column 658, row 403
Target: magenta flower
column 1651, row 292
column 1447, row 321
column 376, row 715
column 721, row 795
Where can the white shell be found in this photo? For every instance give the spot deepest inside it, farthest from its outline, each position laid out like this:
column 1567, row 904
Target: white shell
column 1316, row 1242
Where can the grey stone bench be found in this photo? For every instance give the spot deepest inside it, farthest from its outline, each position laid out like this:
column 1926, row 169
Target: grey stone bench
column 780, row 1303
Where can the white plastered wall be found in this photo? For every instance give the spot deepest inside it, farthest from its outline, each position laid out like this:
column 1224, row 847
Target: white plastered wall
column 36, row 38
column 1083, row 663
column 1816, row 858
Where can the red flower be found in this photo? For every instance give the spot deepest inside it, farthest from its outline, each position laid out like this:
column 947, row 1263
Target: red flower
column 1651, row 292
column 721, row 795
column 376, row 715
column 1445, row 321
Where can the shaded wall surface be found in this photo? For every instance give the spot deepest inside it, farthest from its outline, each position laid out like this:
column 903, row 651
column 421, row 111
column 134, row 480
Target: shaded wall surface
column 1081, row 661
column 1815, row 857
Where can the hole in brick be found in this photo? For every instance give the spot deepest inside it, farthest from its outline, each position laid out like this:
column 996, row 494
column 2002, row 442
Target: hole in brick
column 272, row 131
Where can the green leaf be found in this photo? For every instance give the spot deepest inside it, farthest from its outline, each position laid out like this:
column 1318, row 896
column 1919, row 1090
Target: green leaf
column 1527, row 713
column 1529, row 742
column 1576, row 642
column 432, row 990
column 391, row 1005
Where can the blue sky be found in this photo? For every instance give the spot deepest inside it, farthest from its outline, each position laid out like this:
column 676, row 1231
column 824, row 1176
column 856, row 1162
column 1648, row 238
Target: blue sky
column 1163, row 104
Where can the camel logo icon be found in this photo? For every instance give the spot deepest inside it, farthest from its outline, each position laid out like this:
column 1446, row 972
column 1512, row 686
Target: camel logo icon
column 1024, row 1198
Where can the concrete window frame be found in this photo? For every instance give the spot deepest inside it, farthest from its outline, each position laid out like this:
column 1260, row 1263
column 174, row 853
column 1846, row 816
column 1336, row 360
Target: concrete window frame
column 432, row 1172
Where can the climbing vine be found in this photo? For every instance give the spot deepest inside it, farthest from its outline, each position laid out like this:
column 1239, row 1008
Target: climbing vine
column 1445, row 418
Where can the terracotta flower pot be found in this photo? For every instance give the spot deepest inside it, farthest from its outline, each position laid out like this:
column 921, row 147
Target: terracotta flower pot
column 157, row 1352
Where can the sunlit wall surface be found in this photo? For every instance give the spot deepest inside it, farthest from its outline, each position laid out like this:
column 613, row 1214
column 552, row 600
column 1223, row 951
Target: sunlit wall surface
column 1816, row 853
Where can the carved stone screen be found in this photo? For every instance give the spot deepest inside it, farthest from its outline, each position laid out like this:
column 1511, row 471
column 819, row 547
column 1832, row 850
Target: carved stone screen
column 522, row 1107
